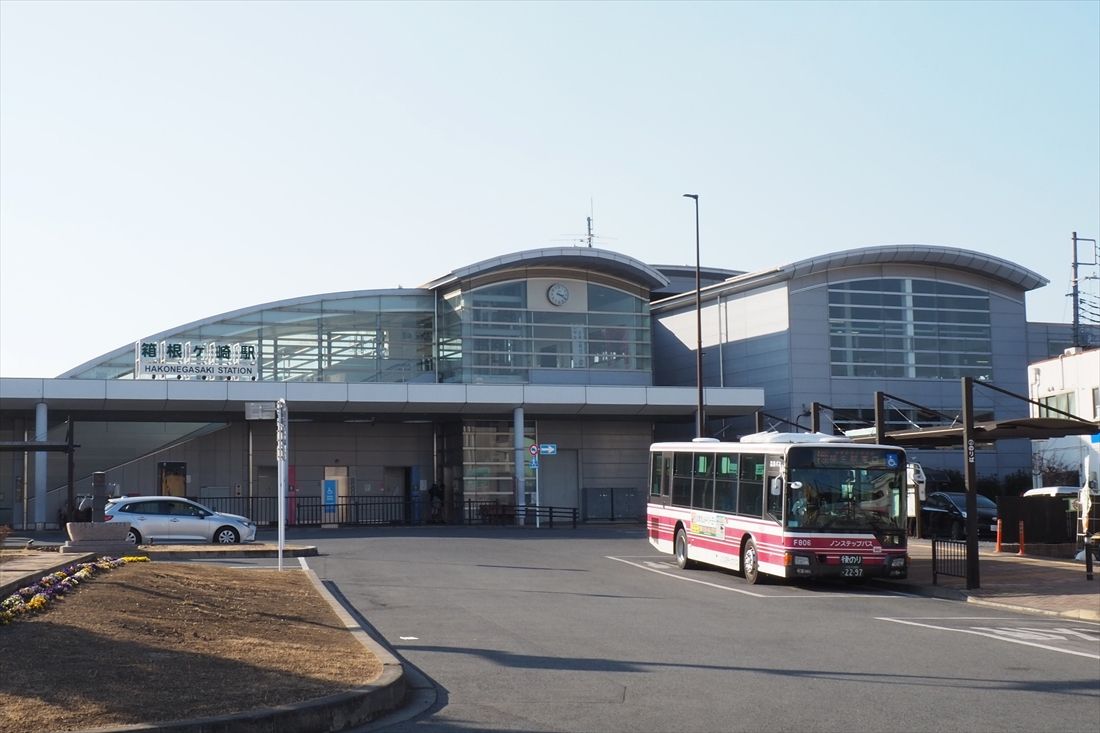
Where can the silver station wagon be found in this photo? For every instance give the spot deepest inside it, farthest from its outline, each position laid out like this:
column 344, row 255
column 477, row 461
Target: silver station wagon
column 175, row 519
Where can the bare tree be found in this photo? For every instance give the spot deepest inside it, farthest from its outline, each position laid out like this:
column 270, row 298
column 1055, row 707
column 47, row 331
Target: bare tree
column 1053, row 470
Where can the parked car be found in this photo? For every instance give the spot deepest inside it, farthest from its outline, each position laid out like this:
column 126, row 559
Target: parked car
column 944, row 515
column 175, row 519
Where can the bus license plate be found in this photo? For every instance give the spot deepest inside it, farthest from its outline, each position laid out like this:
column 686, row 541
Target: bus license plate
column 851, row 559
column 851, row 571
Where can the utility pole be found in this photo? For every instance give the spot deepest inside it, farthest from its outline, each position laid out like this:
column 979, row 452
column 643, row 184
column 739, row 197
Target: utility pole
column 1076, row 292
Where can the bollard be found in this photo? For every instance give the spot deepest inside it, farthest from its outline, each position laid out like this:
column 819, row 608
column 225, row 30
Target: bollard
column 999, row 526
column 1021, row 550
column 1089, row 547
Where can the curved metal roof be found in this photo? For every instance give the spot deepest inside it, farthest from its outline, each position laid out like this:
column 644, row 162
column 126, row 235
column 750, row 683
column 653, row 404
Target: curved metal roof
column 922, row 254
column 589, row 258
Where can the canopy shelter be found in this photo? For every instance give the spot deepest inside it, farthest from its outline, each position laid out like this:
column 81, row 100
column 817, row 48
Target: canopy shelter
column 1029, row 428
column 963, row 431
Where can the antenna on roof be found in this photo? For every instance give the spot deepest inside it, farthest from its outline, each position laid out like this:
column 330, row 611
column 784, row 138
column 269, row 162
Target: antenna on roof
column 590, row 235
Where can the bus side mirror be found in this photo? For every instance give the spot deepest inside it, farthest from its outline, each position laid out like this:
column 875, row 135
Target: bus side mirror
column 777, row 486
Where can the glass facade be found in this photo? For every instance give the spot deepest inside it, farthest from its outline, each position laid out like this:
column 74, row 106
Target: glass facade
column 908, row 328
column 489, row 459
column 369, row 338
column 488, row 335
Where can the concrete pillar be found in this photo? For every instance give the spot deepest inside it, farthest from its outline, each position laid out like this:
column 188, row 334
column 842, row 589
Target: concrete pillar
column 521, row 458
column 41, row 426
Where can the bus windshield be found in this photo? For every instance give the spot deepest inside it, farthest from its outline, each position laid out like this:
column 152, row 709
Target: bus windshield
column 845, row 499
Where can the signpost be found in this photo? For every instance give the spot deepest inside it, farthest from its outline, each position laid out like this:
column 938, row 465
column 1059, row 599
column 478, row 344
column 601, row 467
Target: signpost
column 281, row 440
column 277, row 411
column 545, row 449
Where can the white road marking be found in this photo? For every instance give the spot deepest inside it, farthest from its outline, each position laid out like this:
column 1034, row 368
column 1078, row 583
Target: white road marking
column 998, row 637
column 992, row 618
column 659, row 568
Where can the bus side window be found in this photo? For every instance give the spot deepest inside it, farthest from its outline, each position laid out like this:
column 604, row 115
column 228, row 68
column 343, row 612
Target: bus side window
column 725, row 483
column 681, row 479
column 702, row 493
column 750, row 487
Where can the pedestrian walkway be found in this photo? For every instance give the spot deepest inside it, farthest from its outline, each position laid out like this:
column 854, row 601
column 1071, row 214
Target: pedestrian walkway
column 1020, row 582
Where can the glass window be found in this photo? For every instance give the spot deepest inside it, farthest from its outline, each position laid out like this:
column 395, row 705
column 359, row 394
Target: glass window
column 488, row 462
column 681, row 479
column 702, row 492
column 750, row 486
column 725, row 483
column 950, row 324
column 488, row 335
column 658, row 480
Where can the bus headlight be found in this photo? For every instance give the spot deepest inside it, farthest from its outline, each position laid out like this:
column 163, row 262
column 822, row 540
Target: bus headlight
column 790, row 558
column 897, row 562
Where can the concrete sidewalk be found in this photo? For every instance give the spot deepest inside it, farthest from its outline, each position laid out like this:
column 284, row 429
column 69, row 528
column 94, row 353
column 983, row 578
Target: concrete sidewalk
column 1008, row 580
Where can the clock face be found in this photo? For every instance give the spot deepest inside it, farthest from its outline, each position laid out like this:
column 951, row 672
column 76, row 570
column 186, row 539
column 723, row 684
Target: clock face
column 557, row 294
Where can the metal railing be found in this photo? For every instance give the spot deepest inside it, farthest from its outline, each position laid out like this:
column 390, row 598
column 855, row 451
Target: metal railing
column 491, row 512
column 948, row 558
column 385, row 510
column 312, row 511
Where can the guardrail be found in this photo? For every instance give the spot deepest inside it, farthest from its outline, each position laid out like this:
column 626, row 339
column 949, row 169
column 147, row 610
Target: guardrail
column 948, row 558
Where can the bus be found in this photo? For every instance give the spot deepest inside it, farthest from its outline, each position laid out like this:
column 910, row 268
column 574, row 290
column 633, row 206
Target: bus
column 788, row 505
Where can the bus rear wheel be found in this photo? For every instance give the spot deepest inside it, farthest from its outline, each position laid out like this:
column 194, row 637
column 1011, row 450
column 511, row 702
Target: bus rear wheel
column 750, row 562
column 681, row 550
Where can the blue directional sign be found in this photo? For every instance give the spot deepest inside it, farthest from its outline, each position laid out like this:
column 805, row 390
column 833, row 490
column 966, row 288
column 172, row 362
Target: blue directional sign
column 548, row 449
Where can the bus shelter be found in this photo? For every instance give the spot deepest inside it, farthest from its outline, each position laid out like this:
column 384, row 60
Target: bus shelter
column 967, row 433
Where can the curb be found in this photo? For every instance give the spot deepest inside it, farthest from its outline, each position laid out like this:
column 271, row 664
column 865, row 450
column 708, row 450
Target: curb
column 951, row 594
column 24, row 580
column 185, row 553
column 332, row 713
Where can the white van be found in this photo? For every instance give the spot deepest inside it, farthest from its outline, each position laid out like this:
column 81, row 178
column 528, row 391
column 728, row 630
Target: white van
column 1066, row 492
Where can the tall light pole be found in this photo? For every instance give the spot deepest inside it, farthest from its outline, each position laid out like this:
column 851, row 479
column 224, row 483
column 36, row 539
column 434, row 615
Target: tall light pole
column 699, row 417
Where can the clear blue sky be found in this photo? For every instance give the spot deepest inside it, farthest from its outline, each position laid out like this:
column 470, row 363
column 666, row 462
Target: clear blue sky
column 163, row 162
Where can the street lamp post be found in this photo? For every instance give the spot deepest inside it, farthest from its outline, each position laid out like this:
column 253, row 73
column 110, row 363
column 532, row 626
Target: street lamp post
column 699, row 417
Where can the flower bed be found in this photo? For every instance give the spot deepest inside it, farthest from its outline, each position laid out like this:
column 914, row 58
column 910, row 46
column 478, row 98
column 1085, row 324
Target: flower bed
column 35, row 598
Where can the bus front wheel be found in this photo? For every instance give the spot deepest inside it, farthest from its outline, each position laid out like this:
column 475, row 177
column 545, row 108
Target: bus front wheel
column 682, row 550
column 750, row 562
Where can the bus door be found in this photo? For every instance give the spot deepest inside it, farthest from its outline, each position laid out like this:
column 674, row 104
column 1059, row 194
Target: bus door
column 774, row 485
column 660, row 486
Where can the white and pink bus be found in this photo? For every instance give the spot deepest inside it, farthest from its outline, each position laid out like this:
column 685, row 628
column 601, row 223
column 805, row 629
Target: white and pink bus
column 789, row 505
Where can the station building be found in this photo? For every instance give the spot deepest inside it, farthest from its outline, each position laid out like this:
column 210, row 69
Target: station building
column 584, row 350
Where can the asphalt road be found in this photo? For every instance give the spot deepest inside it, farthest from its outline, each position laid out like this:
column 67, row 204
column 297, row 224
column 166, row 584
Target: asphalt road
column 592, row 630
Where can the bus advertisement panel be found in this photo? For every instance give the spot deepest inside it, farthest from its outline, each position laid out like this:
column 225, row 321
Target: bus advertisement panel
column 789, row 505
